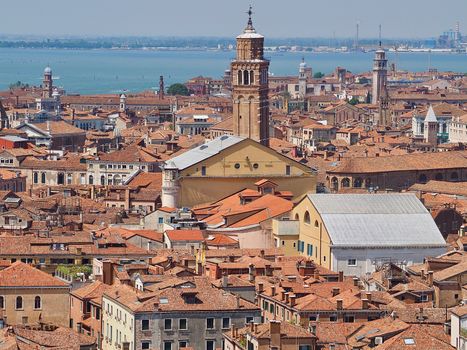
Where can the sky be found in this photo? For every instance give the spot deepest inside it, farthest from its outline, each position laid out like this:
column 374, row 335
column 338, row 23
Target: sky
column 226, row 18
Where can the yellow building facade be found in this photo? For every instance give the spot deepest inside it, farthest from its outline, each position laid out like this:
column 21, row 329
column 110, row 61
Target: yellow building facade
column 314, row 241
column 235, row 163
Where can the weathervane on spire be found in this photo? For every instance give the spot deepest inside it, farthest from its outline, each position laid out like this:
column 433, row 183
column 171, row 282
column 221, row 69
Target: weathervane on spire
column 250, row 22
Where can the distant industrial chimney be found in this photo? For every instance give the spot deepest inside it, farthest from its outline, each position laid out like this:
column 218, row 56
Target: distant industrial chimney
column 161, row 87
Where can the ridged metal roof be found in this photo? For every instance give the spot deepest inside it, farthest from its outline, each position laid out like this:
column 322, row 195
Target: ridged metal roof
column 377, row 220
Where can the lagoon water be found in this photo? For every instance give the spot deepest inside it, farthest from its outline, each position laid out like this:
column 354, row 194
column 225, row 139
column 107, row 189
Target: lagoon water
column 113, row 71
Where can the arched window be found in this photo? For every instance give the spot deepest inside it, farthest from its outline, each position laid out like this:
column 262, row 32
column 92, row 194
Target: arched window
column 357, row 182
column 297, row 217
column 91, row 180
column 454, row 176
column 252, row 77
column 306, row 217
column 37, row 302
column 2, row 302
column 439, row 176
column 19, row 303
column 345, row 182
column 43, row 177
column 102, row 180
column 36, row 177
column 239, row 78
column 69, row 179
column 316, row 223
column 246, row 77
column 422, row 178
column 334, row 183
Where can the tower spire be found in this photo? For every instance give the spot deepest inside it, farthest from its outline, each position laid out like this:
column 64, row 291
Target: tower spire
column 380, row 35
column 249, row 25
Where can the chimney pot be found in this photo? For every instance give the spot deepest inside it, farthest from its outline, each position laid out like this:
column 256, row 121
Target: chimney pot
column 430, row 278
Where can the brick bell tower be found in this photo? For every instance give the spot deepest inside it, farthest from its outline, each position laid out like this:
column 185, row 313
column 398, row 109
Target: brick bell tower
column 249, row 72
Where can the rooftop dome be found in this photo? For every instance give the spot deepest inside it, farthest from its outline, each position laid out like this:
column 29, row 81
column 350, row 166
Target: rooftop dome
column 48, row 70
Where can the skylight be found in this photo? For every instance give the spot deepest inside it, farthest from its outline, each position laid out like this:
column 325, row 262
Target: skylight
column 409, row 341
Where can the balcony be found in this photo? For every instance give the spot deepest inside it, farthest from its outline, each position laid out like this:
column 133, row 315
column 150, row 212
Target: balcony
column 282, row 227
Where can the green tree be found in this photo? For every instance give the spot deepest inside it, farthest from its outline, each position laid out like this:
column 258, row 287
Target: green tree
column 318, row 75
column 354, row 101
column 178, row 89
column 18, row 85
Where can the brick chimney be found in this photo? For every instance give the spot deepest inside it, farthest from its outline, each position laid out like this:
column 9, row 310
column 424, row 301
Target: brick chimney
column 340, row 304
column 430, row 278
column 260, row 287
column 355, row 281
column 107, row 273
column 341, row 276
column 335, row 291
column 275, row 334
column 292, row 299
column 364, row 304
column 368, row 296
column 251, row 273
column 273, row 290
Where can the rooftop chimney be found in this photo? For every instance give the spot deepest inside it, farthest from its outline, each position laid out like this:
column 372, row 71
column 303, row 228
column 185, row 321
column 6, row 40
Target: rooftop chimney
column 335, row 291
column 292, row 299
column 316, row 274
column 275, row 334
column 251, row 273
column 364, row 304
column 260, row 287
column 273, row 290
column 355, row 281
column 368, row 296
column 340, row 304
column 430, row 278
column 341, row 276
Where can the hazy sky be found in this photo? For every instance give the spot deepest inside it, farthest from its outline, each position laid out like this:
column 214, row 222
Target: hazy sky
column 273, row 18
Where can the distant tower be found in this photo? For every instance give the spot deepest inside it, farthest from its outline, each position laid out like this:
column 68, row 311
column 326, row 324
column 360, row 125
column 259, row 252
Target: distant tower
column 170, row 185
column 384, row 111
column 430, row 127
column 47, row 83
column 161, row 87
column 249, row 73
column 302, row 79
column 356, row 35
column 56, row 97
column 122, row 103
column 380, row 74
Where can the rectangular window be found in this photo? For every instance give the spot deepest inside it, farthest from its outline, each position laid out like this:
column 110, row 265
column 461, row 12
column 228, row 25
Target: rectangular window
column 248, row 319
column 309, row 249
column 349, row 318
column 333, row 318
column 287, row 170
column 209, row 323
column 167, row 345
column 225, row 322
column 203, row 170
column 145, row 345
column 352, row 262
column 168, row 324
column 182, row 344
column 161, row 220
column 144, row 325
column 182, row 324
column 210, row 344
